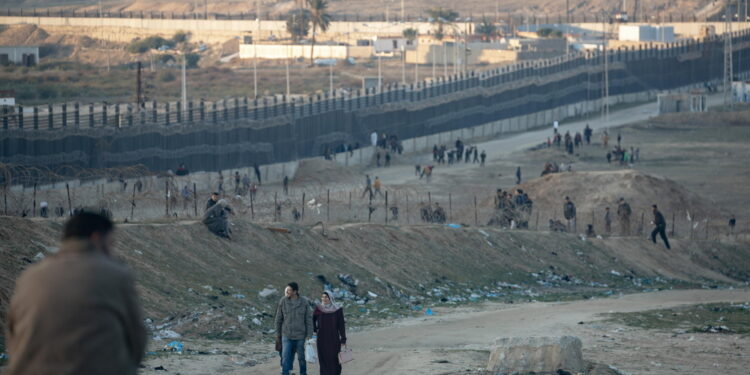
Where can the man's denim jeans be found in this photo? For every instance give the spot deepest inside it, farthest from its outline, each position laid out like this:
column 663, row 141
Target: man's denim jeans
column 288, row 348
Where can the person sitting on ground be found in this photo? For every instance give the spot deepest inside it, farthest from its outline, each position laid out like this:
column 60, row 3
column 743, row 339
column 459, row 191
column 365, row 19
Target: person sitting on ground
column 216, row 219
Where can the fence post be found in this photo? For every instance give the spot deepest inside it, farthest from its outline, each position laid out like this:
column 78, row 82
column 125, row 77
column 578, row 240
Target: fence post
column 154, row 112
column 302, row 217
column 166, row 198
column 386, row 207
column 64, row 115
column 179, row 111
column 70, row 202
column 350, row 204
column 202, row 110
column 429, row 197
column 33, row 204
column 275, row 207
column 91, row 115
column 104, row 115
column 36, row 118
column 76, row 115
column 252, row 206
column 50, row 119
column 328, row 205
column 369, row 209
column 166, row 113
column 476, row 214
column 132, row 204
column 407, row 208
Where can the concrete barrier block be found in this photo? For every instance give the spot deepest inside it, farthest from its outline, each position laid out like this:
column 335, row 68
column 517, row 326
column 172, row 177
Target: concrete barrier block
column 536, row 355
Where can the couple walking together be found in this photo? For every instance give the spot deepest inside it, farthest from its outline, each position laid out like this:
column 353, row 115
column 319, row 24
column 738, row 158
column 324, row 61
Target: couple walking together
column 296, row 322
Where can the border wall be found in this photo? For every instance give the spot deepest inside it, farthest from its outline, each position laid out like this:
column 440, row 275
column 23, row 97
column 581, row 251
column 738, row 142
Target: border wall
column 475, row 104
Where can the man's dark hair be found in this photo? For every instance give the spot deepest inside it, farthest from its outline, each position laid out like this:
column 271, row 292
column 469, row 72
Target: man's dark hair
column 83, row 224
column 654, row 206
column 294, row 286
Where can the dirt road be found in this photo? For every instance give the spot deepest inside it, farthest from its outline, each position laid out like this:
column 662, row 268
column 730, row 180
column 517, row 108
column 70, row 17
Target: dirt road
column 462, row 337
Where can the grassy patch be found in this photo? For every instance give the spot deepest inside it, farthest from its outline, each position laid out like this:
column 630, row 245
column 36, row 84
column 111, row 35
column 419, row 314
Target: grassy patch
column 695, row 318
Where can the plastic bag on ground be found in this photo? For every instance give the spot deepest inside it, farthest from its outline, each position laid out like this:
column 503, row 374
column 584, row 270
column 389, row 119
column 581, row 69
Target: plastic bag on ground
column 311, row 354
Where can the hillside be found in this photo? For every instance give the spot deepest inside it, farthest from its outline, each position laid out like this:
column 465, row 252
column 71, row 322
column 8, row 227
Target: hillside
column 369, row 8
column 201, row 286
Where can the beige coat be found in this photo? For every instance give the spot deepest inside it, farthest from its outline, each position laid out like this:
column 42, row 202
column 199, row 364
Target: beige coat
column 75, row 313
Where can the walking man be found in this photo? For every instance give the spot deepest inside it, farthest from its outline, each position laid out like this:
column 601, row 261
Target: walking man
column 623, row 214
column 293, row 326
column 286, row 185
column 483, row 156
column 569, row 211
column 660, row 227
column 368, row 186
column 76, row 312
column 732, row 224
column 518, row 175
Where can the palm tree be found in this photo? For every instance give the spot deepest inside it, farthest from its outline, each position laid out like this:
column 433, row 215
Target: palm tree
column 441, row 17
column 486, row 29
column 410, row 34
column 298, row 24
column 319, row 18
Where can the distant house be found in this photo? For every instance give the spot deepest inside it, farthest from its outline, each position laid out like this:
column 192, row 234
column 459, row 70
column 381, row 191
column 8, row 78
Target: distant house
column 19, row 55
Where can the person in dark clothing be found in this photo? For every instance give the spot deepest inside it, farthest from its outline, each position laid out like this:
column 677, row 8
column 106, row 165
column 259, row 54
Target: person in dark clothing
column 377, row 158
column 732, row 224
column 518, row 175
column 216, row 219
column 660, row 227
column 257, row 172
column 417, row 170
column 237, row 182
column 212, row 201
column 609, row 158
column 286, row 184
column 329, row 326
column 476, row 155
column 387, row 159
column 483, row 156
column 587, row 132
column 569, row 211
column 182, row 170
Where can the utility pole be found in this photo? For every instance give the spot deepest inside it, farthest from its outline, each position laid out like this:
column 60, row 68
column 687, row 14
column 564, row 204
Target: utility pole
column 138, row 89
column 288, row 88
column 184, row 81
column 403, row 64
column 403, row 15
column 728, row 74
column 567, row 11
column 380, row 75
column 330, row 79
column 605, row 104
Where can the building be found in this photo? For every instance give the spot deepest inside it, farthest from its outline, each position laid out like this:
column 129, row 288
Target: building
column 390, row 45
column 19, row 55
column 646, row 33
column 741, row 92
column 682, row 102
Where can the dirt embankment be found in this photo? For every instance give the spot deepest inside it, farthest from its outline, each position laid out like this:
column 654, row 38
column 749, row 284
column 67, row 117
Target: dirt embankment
column 203, row 286
column 593, row 191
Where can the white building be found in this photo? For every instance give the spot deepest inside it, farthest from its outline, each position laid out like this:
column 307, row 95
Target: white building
column 20, row 55
column 646, row 33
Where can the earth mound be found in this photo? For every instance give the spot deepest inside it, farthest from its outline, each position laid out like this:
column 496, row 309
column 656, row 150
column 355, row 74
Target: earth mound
column 593, row 191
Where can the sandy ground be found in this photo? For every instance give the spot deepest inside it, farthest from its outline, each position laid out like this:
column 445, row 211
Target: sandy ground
column 458, row 340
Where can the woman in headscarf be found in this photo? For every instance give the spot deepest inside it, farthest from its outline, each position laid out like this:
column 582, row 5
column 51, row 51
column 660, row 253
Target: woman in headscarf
column 328, row 324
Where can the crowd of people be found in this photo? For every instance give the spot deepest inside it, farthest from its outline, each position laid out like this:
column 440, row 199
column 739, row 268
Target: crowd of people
column 460, row 153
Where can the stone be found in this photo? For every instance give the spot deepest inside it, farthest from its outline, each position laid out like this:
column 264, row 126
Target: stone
column 518, row 355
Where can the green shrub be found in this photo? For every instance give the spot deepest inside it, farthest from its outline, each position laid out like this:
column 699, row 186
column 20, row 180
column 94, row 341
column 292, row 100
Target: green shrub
column 191, row 60
column 166, row 76
column 152, row 42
